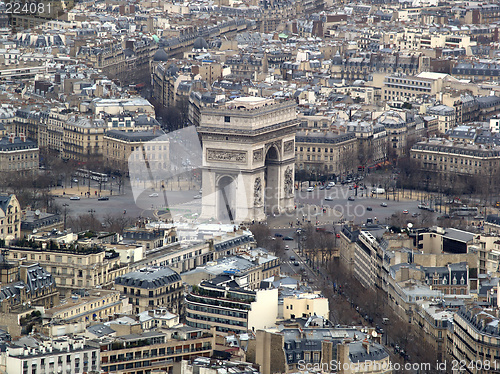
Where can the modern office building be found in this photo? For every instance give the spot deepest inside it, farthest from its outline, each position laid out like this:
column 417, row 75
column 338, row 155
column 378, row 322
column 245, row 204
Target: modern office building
column 223, row 304
column 154, row 350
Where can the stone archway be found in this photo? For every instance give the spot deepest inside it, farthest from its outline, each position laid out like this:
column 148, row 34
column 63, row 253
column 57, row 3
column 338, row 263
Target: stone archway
column 226, row 199
column 271, row 180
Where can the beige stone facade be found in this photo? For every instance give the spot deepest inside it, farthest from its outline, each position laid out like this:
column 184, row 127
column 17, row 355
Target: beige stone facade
column 248, row 159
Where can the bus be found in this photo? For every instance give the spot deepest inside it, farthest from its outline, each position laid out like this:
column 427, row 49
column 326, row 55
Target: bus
column 99, row 177
column 464, row 211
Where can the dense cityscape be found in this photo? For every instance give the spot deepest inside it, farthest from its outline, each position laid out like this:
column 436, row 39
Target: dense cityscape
column 249, row 187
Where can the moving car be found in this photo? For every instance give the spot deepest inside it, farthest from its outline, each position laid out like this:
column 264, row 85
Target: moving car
column 350, row 198
column 329, row 198
column 296, row 263
column 154, row 194
column 197, row 197
column 74, row 198
column 405, row 211
column 369, row 208
column 310, row 189
column 292, row 258
column 287, row 238
column 103, row 198
column 384, row 205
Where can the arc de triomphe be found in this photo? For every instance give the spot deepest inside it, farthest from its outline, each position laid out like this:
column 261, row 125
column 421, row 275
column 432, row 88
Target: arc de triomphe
column 248, row 159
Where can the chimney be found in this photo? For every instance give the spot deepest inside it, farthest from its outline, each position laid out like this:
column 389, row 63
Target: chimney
column 12, row 137
column 22, row 136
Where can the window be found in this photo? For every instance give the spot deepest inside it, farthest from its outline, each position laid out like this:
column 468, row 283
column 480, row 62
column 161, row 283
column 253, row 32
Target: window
column 227, row 119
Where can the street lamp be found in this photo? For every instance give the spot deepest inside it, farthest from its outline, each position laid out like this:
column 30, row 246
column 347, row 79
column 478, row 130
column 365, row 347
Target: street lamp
column 65, row 205
column 92, row 211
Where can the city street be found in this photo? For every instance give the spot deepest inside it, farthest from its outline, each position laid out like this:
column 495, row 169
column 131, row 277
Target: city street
column 311, row 207
column 147, row 202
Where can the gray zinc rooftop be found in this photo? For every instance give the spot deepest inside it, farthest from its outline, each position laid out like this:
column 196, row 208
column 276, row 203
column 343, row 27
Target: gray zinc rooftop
column 151, row 277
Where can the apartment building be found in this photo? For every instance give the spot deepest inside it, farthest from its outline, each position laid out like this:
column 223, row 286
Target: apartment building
column 433, row 321
column 475, row 338
column 365, row 259
column 304, row 305
column 326, row 152
column 18, row 155
column 372, row 139
column 347, row 243
column 166, row 80
column 476, row 72
column 97, row 305
column 102, row 53
column 10, row 218
column 466, row 106
column 248, row 268
column 456, row 158
column 407, row 88
column 184, row 257
column 74, row 269
column 119, row 145
column 26, row 284
column 362, row 65
column 61, row 355
column 114, row 107
column 488, row 249
column 222, row 304
column 82, row 137
column 314, row 343
column 405, row 287
column 152, row 287
column 154, row 350
column 150, row 237
column 402, row 128
column 447, row 117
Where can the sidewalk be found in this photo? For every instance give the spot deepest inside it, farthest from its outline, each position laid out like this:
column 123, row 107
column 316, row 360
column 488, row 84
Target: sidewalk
column 81, row 191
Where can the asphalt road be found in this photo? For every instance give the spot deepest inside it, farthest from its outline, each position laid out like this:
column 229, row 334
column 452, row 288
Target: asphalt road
column 356, row 210
column 311, row 206
column 142, row 205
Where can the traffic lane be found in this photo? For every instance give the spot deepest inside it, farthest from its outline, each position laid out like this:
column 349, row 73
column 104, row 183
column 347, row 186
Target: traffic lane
column 289, row 261
column 356, row 208
column 120, row 204
column 126, row 203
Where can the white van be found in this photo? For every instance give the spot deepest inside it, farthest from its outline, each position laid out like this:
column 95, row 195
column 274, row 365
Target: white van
column 378, row 191
column 331, row 184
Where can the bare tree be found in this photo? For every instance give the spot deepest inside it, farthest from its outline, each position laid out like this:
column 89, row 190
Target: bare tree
column 117, row 222
column 262, row 234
